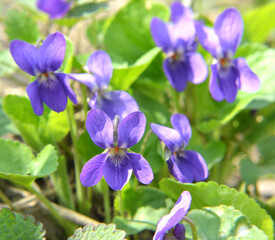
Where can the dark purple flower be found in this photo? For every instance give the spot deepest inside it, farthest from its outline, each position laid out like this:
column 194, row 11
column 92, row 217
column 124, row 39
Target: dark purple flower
column 116, row 163
column 169, row 226
column 177, row 40
column 50, row 87
column 111, row 102
column 185, row 165
column 228, row 74
column 55, row 8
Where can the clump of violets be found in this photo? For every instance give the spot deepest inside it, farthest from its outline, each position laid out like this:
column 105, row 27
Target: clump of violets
column 168, row 227
column 50, row 87
column 55, row 8
column 227, row 74
column 116, row 163
column 113, row 103
column 178, row 40
column 185, row 165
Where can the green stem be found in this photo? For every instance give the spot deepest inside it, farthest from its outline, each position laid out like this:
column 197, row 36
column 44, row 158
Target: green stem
column 193, row 227
column 5, row 199
column 176, row 98
column 84, row 100
column 106, row 200
column 142, row 148
column 80, row 193
column 52, row 210
column 121, row 207
column 62, row 184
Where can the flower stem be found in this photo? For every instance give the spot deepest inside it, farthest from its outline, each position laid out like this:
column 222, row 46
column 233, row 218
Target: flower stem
column 43, row 199
column 80, row 193
column 84, row 100
column 193, row 227
column 121, row 207
column 142, row 148
column 62, row 184
column 106, row 200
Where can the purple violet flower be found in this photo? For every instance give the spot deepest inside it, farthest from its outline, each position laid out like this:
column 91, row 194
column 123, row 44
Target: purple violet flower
column 50, row 87
column 177, row 40
column 116, row 163
column 55, row 8
column 228, row 74
column 168, row 227
column 111, row 102
column 185, row 165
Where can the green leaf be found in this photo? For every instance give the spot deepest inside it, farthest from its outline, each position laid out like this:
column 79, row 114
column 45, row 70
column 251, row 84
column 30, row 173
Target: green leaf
column 211, row 194
column 86, row 147
column 222, row 222
column 6, row 125
column 100, row 232
column 80, row 12
column 7, row 64
column 128, row 35
column 68, row 59
column 36, row 131
column 85, row 9
column 18, row 164
column 213, row 152
column 19, row 25
column 255, row 19
column 16, row 226
column 145, row 213
column 260, row 60
column 124, row 77
column 249, row 171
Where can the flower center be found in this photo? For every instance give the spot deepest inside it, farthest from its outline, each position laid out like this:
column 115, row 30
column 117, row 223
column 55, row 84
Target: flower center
column 225, row 62
column 116, row 152
column 47, row 78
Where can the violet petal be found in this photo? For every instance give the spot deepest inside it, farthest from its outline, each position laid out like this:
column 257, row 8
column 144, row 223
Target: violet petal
column 249, row 81
column 66, row 83
column 55, row 8
column 200, row 169
column 177, row 72
column 208, row 39
column 100, row 128
column 198, row 67
column 229, row 29
column 92, row 171
column 214, row 87
column 26, row 56
column 36, row 102
column 116, row 103
column 52, row 52
column 181, row 168
column 117, row 171
column 86, row 79
column 181, row 124
column 170, row 220
column 171, row 138
column 179, row 11
column 100, row 64
column 131, row 129
column 228, row 81
column 141, row 168
column 160, row 34
column 53, row 94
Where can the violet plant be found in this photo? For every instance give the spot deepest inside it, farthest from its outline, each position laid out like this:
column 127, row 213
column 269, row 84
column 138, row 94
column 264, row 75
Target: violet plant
column 116, row 164
column 112, row 103
column 50, row 87
column 227, row 74
column 185, row 165
column 86, row 158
